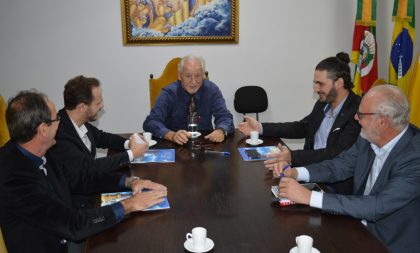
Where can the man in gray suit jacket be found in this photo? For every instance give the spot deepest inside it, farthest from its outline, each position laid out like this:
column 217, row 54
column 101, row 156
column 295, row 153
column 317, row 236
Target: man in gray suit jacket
column 385, row 166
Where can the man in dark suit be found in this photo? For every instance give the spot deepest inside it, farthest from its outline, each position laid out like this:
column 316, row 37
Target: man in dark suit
column 329, row 129
column 385, row 166
column 77, row 139
column 36, row 213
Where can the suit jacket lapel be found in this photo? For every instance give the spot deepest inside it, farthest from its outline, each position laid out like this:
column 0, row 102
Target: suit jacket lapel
column 364, row 169
column 318, row 116
column 70, row 130
column 342, row 114
column 92, row 142
column 405, row 139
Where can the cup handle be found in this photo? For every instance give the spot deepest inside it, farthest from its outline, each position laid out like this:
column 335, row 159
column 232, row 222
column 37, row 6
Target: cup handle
column 189, row 237
column 296, row 239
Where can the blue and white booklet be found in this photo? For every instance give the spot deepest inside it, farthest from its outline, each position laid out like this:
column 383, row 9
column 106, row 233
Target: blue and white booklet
column 257, row 153
column 114, row 197
column 157, row 156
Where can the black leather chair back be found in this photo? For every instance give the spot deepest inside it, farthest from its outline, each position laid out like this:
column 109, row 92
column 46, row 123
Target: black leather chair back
column 250, row 99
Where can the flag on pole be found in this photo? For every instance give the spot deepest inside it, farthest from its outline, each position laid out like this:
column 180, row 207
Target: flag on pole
column 402, row 44
column 364, row 50
column 414, row 94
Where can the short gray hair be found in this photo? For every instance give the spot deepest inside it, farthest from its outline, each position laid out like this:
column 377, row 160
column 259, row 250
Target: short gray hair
column 393, row 104
column 189, row 58
column 25, row 113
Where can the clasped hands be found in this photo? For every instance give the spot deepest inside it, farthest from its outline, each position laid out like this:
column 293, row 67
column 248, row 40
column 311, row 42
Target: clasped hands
column 181, row 136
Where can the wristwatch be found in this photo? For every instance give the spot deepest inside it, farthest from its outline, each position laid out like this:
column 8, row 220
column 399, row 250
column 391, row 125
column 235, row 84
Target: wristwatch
column 223, row 130
column 131, row 180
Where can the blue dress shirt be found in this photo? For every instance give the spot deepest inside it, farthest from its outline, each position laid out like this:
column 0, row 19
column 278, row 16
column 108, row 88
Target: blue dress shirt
column 171, row 110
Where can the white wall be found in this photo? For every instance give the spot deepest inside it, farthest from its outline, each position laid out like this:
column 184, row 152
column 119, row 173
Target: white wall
column 44, row 43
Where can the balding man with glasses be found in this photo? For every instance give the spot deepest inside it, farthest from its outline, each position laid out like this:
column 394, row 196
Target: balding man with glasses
column 385, row 166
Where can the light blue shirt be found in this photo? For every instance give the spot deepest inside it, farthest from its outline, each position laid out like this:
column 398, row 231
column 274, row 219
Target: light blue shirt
column 321, row 135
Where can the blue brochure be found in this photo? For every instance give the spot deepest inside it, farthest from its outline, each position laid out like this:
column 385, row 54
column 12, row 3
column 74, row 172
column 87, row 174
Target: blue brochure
column 114, row 197
column 157, row 156
column 257, row 153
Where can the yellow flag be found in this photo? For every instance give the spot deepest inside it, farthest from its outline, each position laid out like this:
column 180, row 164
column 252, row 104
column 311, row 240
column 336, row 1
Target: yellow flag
column 414, row 94
column 403, row 37
column 4, row 133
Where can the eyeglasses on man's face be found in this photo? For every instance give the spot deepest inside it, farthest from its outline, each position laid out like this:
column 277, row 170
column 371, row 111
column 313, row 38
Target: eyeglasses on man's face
column 360, row 115
column 49, row 122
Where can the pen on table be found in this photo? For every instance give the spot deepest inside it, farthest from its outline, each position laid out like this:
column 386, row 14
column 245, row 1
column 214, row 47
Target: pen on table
column 217, row 152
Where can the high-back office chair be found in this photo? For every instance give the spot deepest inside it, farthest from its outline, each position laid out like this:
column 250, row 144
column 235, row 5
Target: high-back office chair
column 2, row 245
column 169, row 75
column 4, row 133
column 250, row 99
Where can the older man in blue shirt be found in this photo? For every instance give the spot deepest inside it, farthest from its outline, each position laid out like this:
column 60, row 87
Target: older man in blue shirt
column 168, row 118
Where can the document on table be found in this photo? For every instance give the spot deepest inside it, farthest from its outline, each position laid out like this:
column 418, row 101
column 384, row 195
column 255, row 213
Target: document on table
column 257, row 153
column 114, row 197
column 157, row 156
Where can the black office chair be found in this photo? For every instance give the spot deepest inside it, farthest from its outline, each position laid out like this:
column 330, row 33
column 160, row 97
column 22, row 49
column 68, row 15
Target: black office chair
column 250, row 99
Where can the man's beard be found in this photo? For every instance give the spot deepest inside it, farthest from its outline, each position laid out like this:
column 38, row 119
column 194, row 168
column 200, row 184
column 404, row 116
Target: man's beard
column 370, row 137
column 331, row 96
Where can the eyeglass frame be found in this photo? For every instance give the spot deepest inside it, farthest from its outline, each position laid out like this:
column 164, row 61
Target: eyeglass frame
column 360, row 115
column 49, row 122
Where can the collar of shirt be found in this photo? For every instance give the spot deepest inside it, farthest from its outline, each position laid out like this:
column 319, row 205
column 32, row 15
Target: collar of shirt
column 333, row 113
column 38, row 161
column 81, row 131
column 387, row 148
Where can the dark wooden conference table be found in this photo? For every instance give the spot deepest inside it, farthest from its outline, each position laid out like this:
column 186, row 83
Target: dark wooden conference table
column 231, row 198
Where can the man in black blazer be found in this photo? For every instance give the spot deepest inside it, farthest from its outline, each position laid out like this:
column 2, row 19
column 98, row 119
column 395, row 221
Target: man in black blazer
column 328, row 130
column 385, row 166
column 77, row 139
column 36, row 213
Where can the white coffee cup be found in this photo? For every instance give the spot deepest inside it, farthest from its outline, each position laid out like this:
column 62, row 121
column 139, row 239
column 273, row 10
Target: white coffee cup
column 254, row 136
column 197, row 237
column 147, row 136
column 304, row 244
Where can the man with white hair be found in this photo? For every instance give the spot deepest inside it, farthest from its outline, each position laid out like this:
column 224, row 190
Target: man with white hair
column 190, row 94
column 385, row 166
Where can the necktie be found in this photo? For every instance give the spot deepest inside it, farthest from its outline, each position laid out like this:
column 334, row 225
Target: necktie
column 191, row 107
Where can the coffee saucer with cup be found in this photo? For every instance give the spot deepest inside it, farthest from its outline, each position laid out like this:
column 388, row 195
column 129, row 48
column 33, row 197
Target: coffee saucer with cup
column 253, row 142
column 295, row 250
column 304, row 245
column 189, row 245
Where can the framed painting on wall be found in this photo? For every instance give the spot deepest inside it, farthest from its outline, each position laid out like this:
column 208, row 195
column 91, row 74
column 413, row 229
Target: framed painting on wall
column 148, row 22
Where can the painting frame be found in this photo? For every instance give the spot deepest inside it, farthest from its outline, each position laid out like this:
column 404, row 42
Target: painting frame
column 143, row 26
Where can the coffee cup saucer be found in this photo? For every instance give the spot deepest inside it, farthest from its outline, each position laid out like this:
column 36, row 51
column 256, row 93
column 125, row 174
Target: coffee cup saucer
column 152, row 143
column 188, row 245
column 195, row 134
column 295, row 250
column 250, row 142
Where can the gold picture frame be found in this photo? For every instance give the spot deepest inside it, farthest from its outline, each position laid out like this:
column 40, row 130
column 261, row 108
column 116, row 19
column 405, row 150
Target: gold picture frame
column 151, row 22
